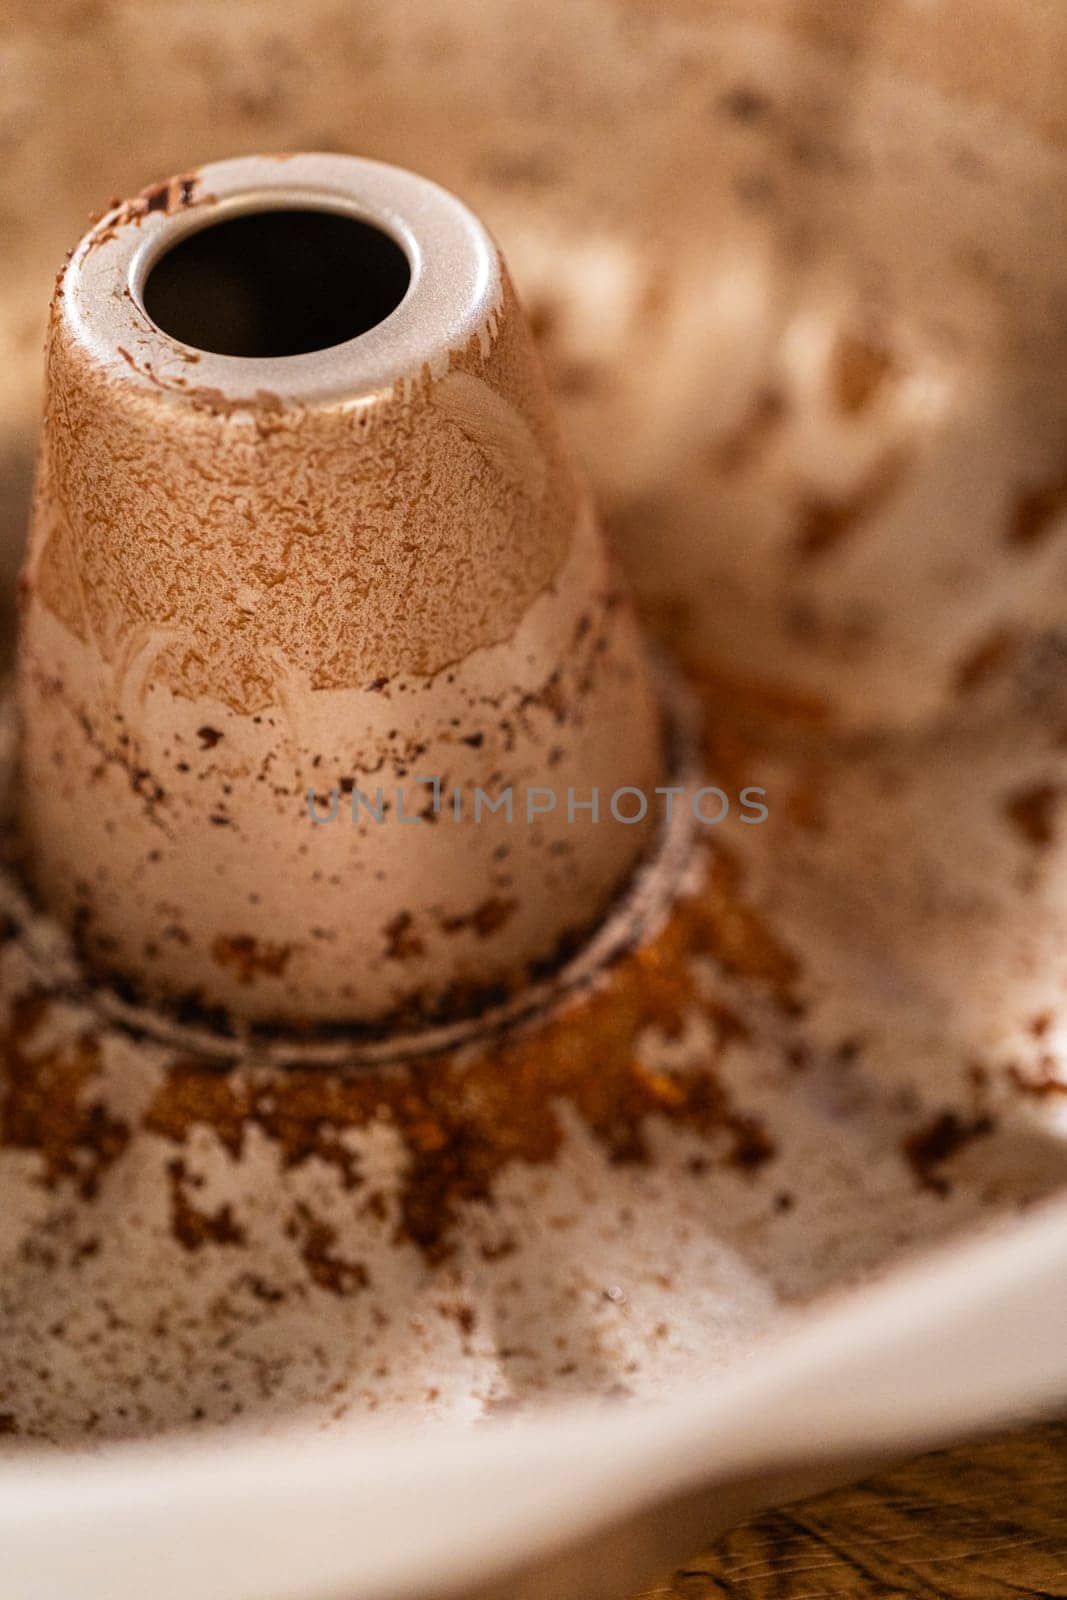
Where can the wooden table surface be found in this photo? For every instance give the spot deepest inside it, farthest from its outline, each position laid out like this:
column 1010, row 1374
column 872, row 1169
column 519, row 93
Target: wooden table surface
column 980, row 1523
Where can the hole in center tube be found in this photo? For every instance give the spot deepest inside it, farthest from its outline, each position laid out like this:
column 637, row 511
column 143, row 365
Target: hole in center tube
column 277, row 283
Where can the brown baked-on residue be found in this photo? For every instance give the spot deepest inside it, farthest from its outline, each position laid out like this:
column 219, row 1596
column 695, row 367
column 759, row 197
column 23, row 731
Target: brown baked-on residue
column 250, row 958
column 168, row 196
column 192, row 1227
column 462, row 1122
column 48, row 1104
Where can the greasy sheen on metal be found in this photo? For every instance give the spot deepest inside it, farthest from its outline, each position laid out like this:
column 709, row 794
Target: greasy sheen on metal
column 261, row 588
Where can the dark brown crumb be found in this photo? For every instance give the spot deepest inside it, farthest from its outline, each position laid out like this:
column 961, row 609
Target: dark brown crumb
column 928, row 1148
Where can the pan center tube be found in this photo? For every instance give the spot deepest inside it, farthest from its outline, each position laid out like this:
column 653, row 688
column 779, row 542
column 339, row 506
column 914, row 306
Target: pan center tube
column 333, row 711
